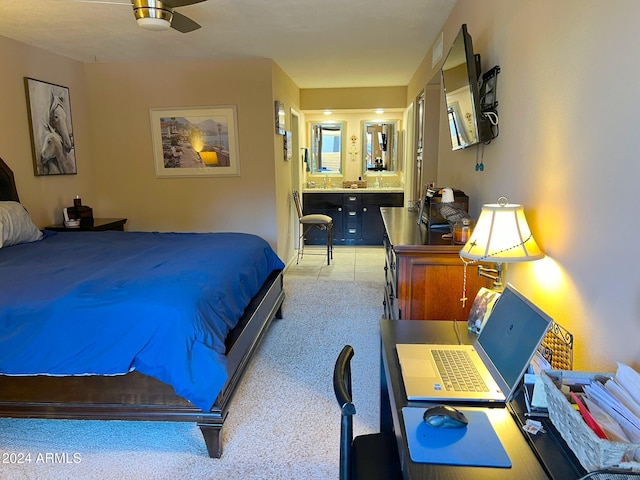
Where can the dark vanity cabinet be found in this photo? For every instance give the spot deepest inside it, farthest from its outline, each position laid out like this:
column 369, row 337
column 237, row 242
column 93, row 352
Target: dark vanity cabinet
column 356, row 215
column 351, row 219
column 325, row 204
column 372, row 224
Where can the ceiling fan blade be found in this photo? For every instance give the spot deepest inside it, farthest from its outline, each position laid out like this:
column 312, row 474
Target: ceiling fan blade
column 183, row 24
column 180, row 3
column 104, row 2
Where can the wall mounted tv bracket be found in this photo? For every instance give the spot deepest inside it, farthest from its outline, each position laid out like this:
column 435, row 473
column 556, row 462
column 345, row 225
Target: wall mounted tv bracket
column 489, row 100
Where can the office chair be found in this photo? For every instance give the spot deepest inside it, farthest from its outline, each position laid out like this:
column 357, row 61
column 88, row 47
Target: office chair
column 322, row 222
column 369, row 457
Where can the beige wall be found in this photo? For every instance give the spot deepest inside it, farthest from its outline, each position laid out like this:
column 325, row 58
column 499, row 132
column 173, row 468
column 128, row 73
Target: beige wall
column 567, row 151
column 44, row 196
column 112, row 129
column 120, row 96
column 352, row 98
column 285, row 91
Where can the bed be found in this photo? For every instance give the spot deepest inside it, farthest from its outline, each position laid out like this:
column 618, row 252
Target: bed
column 130, row 325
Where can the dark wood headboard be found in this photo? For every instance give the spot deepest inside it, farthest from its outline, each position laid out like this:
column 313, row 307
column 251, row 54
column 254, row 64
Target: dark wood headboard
column 8, row 190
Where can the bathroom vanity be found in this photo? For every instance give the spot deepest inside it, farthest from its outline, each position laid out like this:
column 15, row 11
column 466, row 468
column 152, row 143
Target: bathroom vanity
column 355, row 213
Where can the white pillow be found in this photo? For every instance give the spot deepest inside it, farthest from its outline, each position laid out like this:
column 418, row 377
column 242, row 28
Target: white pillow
column 16, row 226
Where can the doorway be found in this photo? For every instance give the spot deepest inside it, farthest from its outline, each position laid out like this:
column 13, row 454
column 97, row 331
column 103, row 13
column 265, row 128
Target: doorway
column 296, row 174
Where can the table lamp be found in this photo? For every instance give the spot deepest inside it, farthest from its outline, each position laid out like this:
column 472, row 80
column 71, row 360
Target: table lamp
column 501, row 235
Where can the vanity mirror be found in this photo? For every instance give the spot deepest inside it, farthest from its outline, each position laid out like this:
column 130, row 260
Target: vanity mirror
column 380, row 146
column 328, row 145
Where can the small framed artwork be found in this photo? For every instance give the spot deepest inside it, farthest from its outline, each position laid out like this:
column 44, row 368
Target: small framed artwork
column 481, row 309
column 288, row 154
column 52, row 144
column 423, row 202
column 195, row 141
column 280, row 118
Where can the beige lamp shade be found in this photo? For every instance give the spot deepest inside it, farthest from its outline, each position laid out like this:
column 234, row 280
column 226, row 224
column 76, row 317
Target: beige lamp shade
column 502, row 234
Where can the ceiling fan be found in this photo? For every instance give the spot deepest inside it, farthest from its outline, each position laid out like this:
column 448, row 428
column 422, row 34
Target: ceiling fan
column 159, row 15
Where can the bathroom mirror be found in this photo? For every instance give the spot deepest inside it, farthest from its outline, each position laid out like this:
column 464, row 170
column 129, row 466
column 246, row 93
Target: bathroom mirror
column 327, row 147
column 379, row 146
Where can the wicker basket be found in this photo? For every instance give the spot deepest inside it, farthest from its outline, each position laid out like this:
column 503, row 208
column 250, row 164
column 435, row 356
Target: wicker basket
column 593, row 453
column 357, row 183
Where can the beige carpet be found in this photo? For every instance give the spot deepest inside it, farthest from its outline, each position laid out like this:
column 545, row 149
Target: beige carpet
column 284, row 420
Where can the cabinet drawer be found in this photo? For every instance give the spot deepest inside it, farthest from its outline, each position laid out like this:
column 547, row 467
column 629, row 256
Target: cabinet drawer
column 391, row 310
column 391, row 277
column 390, row 286
column 351, row 215
column 383, row 199
column 314, row 201
column 351, row 199
column 391, row 269
column 351, row 232
column 389, row 253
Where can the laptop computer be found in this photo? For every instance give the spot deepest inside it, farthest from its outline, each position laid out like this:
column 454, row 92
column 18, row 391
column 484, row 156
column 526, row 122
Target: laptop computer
column 501, row 354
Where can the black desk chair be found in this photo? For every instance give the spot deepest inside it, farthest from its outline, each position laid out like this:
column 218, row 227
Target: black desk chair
column 323, row 222
column 369, row 457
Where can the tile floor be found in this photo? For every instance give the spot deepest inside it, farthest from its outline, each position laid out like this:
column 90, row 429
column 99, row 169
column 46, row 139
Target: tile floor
column 363, row 263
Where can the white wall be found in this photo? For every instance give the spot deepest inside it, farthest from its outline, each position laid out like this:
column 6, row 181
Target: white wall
column 568, row 151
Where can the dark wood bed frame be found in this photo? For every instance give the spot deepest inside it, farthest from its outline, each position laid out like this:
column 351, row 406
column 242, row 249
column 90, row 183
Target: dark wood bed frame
column 135, row 396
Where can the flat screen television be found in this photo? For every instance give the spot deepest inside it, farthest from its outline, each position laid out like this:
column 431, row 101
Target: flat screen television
column 460, row 79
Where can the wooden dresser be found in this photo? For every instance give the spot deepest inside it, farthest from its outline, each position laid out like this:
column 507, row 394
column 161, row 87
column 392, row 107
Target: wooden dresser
column 423, row 271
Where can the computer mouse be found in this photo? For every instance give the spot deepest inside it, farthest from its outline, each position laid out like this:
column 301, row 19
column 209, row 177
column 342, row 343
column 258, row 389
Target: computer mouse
column 444, row 416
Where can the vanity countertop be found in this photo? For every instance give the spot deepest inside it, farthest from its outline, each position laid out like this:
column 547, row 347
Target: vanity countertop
column 354, row 190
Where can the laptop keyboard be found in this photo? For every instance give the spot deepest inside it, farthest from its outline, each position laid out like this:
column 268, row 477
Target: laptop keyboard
column 458, row 372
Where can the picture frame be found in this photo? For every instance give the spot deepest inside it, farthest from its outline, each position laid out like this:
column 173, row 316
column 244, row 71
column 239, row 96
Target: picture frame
column 481, row 309
column 288, row 153
column 195, row 141
column 423, row 202
column 280, row 118
column 51, row 128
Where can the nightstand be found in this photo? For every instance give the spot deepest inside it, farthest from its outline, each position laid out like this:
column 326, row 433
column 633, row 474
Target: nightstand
column 99, row 225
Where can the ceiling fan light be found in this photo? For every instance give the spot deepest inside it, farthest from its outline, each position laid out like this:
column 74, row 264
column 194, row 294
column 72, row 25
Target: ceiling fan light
column 152, row 15
column 155, row 24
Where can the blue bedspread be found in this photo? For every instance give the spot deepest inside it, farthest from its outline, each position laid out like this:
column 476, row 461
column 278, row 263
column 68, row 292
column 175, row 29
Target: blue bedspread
column 109, row 302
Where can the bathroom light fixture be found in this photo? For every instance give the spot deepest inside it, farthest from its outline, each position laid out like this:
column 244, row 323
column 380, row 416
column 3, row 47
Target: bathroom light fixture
column 379, row 111
column 501, row 235
column 327, row 112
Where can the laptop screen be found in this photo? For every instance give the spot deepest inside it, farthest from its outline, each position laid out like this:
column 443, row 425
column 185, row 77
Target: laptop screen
column 512, row 333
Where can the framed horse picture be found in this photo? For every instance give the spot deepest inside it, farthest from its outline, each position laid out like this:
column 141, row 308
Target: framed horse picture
column 49, row 108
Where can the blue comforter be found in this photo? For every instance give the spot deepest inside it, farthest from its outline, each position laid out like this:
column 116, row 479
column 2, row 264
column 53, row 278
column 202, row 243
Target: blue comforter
column 107, row 303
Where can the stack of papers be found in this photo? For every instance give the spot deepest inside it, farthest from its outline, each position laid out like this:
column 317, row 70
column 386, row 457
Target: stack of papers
column 615, row 406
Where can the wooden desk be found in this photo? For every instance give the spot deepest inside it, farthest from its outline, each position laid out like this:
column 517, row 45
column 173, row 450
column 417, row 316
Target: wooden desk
column 393, row 398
